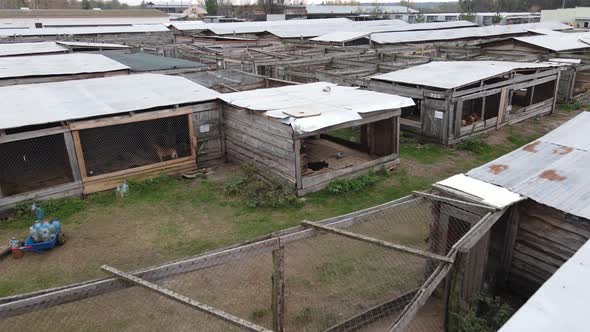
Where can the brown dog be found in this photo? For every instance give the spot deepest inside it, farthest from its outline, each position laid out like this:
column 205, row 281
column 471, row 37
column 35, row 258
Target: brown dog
column 164, row 153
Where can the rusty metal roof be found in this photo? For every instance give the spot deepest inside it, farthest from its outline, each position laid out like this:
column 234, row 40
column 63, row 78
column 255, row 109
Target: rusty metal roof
column 551, row 170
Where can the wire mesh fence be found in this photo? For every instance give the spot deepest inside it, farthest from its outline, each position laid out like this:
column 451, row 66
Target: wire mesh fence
column 373, row 270
column 120, row 147
column 33, row 164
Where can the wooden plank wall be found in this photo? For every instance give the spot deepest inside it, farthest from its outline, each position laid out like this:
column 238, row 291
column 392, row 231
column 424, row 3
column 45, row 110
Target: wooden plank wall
column 545, row 239
column 267, row 142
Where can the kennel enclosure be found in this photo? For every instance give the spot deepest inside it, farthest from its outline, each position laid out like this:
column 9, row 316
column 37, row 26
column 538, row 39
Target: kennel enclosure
column 87, row 136
column 311, row 134
column 456, row 100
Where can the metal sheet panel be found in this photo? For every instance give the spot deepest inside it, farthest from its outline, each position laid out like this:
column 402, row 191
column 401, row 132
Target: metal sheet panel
column 464, row 33
column 454, row 74
column 336, row 104
column 58, row 64
column 558, row 42
column 30, row 48
column 141, row 62
column 349, row 33
column 551, row 170
column 33, row 104
column 84, row 30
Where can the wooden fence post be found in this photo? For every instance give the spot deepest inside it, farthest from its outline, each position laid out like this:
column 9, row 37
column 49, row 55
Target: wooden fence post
column 278, row 288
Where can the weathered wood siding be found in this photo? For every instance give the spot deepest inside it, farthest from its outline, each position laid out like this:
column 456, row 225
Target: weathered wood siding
column 267, row 142
column 545, row 239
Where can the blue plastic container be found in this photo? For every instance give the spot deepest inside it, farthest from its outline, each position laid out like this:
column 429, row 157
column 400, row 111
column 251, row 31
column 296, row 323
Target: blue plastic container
column 31, row 245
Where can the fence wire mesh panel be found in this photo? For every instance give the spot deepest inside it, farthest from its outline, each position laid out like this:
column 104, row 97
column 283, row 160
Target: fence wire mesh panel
column 33, row 164
column 132, row 309
column 368, row 271
column 335, row 283
column 125, row 146
column 241, row 287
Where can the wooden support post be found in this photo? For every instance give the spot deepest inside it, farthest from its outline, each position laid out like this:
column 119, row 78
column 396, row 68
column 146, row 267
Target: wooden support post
column 71, row 149
column 555, row 92
column 381, row 243
column 185, row 300
column 410, row 311
column 509, row 242
column 503, row 105
column 278, row 288
column 298, row 166
column 79, row 154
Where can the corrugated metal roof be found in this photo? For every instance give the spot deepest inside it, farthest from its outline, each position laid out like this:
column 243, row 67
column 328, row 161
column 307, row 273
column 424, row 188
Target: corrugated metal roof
column 331, row 103
column 58, row 64
column 84, row 30
column 454, row 34
column 30, row 48
column 558, row 42
column 148, row 62
column 454, row 74
column 70, row 100
column 551, row 170
column 561, row 304
column 364, row 31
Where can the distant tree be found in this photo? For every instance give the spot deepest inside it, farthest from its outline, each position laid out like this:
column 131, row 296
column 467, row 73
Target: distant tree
column 211, row 6
column 496, row 19
column 85, row 4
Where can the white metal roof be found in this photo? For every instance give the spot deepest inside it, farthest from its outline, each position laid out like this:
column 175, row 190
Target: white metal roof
column 331, row 103
column 57, row 64
column 454, row 34
column 252, row 27
column 33, row 104
column 363, row 31
column 14, row 49
column 91, row 45
column 558, row 42
column 84, row 30
column 561, row 304
column 294, row 28
column 454, row 74
column 485, row 192
column 337, row 9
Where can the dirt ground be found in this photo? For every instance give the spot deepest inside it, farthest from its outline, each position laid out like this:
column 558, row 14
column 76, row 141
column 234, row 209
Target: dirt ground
column 184, row 218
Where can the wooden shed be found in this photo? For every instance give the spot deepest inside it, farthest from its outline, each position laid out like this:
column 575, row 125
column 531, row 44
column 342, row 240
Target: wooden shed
column 572, row 48
column 459, row 99
column 66, row 138
column 314, row 133
column 58, row 67
column 546, row 221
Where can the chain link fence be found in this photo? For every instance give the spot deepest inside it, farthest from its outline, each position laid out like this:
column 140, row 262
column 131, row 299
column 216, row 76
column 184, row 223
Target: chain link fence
column 373, row 270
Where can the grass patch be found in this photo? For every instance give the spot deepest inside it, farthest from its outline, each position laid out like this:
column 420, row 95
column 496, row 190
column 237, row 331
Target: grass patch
column 427, row 153
column 355, row 184
column 256, row 191
column 349, row 134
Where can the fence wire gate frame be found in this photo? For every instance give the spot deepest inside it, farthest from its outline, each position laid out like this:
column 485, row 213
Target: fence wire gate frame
column 377, row 269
